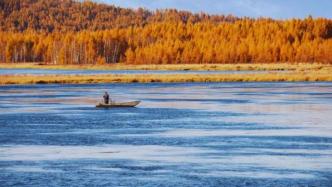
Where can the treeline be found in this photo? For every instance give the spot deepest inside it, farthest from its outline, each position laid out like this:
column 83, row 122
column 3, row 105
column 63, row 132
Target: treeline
column 171, row 39
column 68, row 15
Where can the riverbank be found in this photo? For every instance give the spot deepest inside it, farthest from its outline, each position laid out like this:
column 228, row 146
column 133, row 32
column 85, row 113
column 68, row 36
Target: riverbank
column 274, row 73
column 169, row 78
column 184, row 67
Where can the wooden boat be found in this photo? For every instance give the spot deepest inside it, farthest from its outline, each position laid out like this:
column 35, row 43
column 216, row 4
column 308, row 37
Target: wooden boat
column 118, row 104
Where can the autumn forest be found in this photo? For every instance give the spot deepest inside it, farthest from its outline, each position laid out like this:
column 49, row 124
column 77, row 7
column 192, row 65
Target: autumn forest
column 72, row 32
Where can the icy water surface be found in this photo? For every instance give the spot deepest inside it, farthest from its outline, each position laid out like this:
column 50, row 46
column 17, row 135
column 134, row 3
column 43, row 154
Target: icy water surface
column 117, row 72
column 222, row 134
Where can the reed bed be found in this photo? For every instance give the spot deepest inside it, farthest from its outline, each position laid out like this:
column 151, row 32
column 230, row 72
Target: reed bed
column 164, row 78
column 275, row 73
column 196, row 67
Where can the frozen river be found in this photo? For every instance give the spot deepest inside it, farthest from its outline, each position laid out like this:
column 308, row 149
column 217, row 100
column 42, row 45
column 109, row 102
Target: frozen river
column 215, row 134
column 118, row 72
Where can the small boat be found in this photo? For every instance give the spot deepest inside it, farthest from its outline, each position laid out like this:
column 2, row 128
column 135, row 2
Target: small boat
column 118, row 104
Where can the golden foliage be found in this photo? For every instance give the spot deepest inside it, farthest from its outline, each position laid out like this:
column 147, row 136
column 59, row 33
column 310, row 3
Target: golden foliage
column 163, row 37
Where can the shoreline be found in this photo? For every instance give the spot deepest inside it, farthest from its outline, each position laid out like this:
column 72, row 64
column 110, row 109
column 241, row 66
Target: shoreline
column 274, row 73
column 162, row 78
column 182, row 67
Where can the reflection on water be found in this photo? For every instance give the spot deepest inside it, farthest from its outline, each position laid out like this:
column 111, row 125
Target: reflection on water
column 220, row 134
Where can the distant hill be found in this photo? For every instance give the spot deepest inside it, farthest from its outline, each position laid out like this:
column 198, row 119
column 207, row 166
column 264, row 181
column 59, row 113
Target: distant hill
column 72, row 32
column 69, row 15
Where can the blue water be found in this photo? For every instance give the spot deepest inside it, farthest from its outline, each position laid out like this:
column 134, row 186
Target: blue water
column 216, row 134
column 120, row 72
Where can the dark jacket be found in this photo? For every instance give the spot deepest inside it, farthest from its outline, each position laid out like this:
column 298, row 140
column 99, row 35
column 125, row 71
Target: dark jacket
column 106, row 98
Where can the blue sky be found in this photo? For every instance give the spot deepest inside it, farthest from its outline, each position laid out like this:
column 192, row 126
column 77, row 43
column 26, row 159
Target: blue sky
column 279, row 9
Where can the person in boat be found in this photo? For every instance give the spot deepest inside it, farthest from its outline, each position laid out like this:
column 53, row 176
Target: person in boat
column 106, row 98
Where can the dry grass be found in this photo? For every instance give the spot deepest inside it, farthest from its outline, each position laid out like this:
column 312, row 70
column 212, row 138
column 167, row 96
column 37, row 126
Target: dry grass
column 295, row 72
column 130, row 78
column 209, row 67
